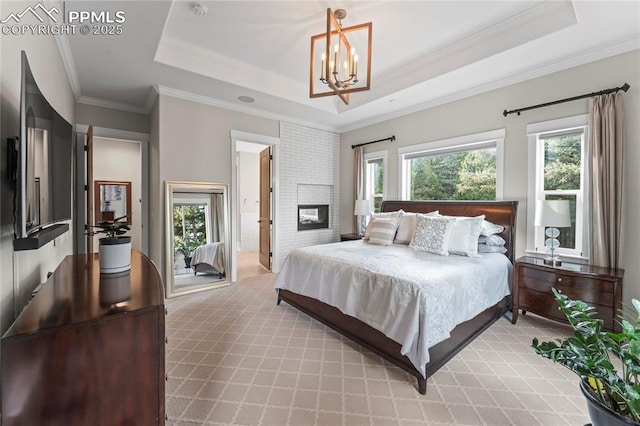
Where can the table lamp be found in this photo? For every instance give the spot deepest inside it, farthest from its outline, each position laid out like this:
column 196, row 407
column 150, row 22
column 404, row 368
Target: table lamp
column 552, row 214
column 361, row 209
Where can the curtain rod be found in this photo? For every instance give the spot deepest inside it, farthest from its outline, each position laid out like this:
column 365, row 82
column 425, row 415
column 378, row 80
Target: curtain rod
column 392, row 138
column 625, row 87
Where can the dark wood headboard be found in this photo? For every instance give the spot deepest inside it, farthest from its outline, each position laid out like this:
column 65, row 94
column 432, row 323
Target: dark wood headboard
column 498, row 212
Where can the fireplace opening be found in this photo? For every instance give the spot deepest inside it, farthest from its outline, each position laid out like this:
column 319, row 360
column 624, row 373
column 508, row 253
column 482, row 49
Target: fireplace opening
column 313, row 216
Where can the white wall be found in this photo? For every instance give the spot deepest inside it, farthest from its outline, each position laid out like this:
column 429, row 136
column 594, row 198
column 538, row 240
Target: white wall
column 119, row 160
column 30, row 267
column 484, row 112
column 308, row 157
column 248, row 200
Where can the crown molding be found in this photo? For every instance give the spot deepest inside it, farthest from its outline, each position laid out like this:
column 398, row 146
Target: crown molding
column 585, row 57
column 151, row 99
column 188, row 96
column 523, row 27
column 193, row 58
column 111, row 104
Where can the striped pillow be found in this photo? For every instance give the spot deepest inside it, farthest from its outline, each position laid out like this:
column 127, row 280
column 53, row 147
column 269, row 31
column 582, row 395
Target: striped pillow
column 383, row 231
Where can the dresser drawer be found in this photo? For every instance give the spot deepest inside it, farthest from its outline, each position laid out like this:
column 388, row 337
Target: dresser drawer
column 542, row 304
column 589, row 290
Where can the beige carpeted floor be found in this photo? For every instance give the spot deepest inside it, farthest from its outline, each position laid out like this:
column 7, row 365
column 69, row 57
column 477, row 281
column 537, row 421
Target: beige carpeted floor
column 234, row 357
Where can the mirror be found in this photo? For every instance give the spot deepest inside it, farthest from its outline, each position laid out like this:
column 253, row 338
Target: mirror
column 112, row 200
column 197, row 237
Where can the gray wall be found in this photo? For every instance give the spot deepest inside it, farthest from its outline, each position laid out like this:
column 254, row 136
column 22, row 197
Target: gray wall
column 48, row 70
column 112, row 118
column 484, row 112
column 194, row 145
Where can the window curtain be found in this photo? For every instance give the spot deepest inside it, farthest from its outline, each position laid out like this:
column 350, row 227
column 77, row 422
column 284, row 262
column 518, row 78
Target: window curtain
column 606, row 151
column 217, row 217
column 358, row 179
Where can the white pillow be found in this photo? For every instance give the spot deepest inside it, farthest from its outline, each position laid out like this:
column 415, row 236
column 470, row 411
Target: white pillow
column 492, row 240
column 407, row 227
column 432, row 234
column 386, row 215
column 483, row 248
column 489, row 228
column 382, row 231
column 465, row 234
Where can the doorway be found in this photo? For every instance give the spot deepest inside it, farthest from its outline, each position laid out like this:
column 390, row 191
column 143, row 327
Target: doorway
column 119, row 157
column 253, row 248
column 247, row 220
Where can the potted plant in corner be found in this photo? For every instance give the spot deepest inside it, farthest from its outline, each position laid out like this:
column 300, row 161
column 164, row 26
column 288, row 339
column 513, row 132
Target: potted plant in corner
column 613, row 397
column 114, row 250
column 185, row 247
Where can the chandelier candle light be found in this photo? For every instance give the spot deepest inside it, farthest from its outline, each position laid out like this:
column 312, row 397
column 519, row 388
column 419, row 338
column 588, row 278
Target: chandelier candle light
column 339, row 69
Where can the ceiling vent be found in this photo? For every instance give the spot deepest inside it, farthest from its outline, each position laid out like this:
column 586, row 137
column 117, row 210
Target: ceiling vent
column 199, row 9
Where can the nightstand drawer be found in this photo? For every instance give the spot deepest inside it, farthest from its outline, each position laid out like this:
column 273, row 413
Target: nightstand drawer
column 597, row 286
column 589, row 290
column 546, row 306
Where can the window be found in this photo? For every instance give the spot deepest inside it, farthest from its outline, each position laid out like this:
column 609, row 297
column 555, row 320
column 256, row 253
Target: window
column 375, row 178
column 557, row 172
column 462, row 168
column 190, row 225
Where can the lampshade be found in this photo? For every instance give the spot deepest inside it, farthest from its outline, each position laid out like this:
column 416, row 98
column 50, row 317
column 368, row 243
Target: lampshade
column 362, row 208
column 552, row 213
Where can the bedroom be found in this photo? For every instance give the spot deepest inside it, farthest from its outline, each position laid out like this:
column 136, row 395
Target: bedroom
column 195, row 124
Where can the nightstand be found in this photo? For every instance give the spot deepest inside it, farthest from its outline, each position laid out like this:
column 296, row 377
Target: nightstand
column 597, row 286
column 349, row 237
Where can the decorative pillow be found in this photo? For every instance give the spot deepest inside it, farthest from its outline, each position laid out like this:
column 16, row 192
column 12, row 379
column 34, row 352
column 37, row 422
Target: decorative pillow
column 407, row 227
column 432, row 234
column 386, row 215
column 465, row 234
column 483, row 248
column 382, row 231
column 492, row 240
column 489, row 228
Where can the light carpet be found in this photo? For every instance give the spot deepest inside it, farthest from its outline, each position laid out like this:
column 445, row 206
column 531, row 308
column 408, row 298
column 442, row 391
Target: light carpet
column 235, row 357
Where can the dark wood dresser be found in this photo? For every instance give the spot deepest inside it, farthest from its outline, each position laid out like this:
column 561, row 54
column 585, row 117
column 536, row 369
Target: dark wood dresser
column 599, row 287
column 88, row 349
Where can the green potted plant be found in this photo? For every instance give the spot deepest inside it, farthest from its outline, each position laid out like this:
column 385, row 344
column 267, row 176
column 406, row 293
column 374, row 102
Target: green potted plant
column 613, row 396
column 185, row 246
column 114, row 250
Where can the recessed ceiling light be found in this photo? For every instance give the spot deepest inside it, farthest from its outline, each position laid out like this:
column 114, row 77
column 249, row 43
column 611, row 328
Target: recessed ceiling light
column 246, row 99
column 199, row 9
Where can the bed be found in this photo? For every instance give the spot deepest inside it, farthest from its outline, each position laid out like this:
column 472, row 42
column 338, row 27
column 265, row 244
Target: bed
column 208, row 259
column 498, row 212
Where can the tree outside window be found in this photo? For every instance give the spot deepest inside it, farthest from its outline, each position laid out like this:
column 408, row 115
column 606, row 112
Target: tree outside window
column 374, row 183
column 459, row 175
column 189, row 227
column 563, row 177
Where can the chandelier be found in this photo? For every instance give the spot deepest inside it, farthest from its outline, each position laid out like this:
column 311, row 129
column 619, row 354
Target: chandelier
column 337, row 68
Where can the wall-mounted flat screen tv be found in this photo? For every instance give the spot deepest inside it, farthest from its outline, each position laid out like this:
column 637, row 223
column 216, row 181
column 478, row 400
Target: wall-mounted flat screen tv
column 44, row 175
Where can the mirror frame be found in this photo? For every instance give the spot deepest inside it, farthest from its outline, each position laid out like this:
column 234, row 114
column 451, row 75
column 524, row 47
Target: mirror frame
column 196, row 188
column 98, row 202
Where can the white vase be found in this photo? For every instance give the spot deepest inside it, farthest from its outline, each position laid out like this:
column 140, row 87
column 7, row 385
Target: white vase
column 115, row 288
column 114, row 255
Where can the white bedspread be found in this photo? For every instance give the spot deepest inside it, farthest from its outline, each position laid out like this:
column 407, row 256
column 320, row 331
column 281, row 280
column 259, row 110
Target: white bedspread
column 414, row 298
column 211, row 254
